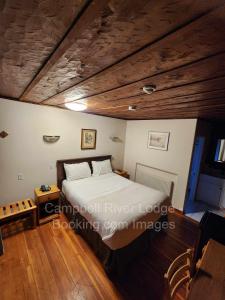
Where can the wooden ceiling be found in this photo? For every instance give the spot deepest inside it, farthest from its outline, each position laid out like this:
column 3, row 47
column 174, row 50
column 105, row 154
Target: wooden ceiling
column 103, row 52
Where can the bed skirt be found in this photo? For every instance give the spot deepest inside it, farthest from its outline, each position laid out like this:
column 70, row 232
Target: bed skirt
column 115, row 262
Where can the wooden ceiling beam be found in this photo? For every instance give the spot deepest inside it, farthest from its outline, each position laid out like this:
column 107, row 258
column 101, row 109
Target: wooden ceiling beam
column 202, row 70
column 173, row 110
column 102, row 38
column 179, row 115
column 188, row 101
column 80, row 36
column 183, row 115
column 172, row 115
column 212, row 103
column 186, row 45
column 173, row 98
column 203, row 90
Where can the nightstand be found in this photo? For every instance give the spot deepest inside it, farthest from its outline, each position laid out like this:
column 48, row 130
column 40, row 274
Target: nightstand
column 122, row 173
column 47, row 204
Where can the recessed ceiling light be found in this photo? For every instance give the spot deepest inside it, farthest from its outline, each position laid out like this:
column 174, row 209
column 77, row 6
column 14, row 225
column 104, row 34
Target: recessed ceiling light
column 132, row 107
column 149, row 89
column 76, row 106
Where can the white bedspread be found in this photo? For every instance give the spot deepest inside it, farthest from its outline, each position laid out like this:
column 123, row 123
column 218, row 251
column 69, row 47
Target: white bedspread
column 110, row 202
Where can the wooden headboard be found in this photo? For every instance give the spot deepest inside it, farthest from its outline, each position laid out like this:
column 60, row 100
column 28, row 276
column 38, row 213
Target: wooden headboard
column 61, row 175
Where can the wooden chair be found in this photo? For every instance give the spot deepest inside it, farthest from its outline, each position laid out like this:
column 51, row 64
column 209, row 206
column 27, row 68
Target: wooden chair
column 178, row 274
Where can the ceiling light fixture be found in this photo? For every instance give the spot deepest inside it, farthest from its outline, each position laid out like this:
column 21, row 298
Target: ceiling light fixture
column 76, row 106
column 149, row 89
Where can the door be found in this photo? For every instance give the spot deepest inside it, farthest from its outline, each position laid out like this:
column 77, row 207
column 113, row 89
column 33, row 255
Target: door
column 194, row 173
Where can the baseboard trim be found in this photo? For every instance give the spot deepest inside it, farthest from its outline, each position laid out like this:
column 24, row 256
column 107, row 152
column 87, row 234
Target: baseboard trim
column 179, row 212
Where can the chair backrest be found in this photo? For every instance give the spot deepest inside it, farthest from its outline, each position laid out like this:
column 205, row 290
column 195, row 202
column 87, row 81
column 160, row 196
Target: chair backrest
column 178, row 273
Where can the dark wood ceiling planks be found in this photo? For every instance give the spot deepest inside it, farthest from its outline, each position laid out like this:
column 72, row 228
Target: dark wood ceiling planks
column 108, row 32
column 166, row 97
column 188, row 44
column 103, row 52
column 29, row 32
column 201, row 71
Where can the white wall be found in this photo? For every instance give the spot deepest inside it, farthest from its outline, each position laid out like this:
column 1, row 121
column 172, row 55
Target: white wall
column 176, row 160
column 24, row 151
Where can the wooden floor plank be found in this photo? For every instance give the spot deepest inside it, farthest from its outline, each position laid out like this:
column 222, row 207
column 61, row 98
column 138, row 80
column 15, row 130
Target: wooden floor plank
column 52, row 262
column 44, row 276
column 74, row 263
column 66, row 283
column 94, row 272
column 89, row 259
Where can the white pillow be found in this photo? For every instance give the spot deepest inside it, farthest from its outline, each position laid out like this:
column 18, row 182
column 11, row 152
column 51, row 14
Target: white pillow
column 77, row 171
column 101, row 167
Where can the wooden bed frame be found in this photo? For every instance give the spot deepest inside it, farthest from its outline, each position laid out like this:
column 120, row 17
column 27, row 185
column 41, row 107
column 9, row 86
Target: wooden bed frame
column 115, row 262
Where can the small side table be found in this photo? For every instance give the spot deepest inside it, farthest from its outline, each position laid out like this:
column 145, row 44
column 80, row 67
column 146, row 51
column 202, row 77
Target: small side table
column 122, row 173
column 47, row 204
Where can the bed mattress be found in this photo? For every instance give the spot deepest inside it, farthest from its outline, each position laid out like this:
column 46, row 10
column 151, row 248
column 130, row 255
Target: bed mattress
column 118, row 209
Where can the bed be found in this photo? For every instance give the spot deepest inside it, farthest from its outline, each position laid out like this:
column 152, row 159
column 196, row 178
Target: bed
column 117, row 217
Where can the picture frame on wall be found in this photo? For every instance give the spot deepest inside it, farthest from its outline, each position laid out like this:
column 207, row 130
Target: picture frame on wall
column 158, row 140
column 88, row 139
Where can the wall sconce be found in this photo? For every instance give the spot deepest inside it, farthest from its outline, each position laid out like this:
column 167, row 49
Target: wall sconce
column 51, row 138
column 115, row 139
column 3, row 134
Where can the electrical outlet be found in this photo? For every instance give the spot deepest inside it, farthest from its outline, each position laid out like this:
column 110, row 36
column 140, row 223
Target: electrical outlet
column 20, row 176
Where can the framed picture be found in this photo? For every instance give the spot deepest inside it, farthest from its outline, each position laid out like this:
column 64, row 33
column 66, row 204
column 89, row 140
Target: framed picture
column 158, row 140
column 88, row 139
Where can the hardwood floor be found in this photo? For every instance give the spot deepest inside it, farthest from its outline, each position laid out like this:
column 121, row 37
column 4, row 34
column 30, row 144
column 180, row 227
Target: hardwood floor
column 55, row 263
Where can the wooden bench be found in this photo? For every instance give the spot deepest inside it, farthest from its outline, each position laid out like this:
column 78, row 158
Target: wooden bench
column 17, row 211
